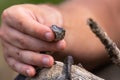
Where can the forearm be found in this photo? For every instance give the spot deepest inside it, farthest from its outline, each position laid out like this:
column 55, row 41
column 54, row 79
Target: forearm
column 79, row 36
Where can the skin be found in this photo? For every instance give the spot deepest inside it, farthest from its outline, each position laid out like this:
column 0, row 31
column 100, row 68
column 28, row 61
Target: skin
column 25, row 32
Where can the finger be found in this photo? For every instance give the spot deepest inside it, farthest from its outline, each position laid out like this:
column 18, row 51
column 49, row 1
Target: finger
column 22, row 20
column 21, row 68
column 28, row 57
column 37, row 59
column 27, row 42
column 16, row 65
column 54, row 18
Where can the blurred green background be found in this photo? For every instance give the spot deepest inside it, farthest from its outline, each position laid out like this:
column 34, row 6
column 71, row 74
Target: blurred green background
column 5, row 72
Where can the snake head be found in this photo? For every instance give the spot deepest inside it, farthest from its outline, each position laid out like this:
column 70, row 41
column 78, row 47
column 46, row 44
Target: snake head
column 58, row 32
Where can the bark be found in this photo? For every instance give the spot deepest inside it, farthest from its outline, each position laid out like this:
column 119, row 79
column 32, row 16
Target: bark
column 58, row 72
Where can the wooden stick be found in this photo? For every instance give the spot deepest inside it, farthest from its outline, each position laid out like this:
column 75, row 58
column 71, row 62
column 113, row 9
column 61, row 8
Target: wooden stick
column 58, row 72
column 110, row 46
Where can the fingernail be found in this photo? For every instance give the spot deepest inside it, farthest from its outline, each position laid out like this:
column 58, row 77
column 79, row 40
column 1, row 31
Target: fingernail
column 48, row 36
column 28, row 72
column 45, row 61
column 61, row 45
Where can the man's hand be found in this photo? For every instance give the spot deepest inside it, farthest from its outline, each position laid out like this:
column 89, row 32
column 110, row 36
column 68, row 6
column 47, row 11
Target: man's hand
column 25, row 32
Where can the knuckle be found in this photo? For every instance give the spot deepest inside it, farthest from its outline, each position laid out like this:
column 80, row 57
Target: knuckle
column 20, row 24
column 13, row 12
column 21, row 57
column 18, row 12
column 4, row 14
column 19, row 54
column 8, row 11
column 31, row 60
column 22, row 42
column 11, row 63
column 24, row 57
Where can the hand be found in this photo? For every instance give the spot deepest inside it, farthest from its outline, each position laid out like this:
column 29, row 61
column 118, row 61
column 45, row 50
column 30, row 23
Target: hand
column 25, row 32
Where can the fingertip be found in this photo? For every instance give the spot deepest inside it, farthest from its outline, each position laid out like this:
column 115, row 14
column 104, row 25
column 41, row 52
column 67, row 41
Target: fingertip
column 61, row 45
column 47, row 61
column 21, row 68
column 49, row 36
column 51, row 62
column 30, row 72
